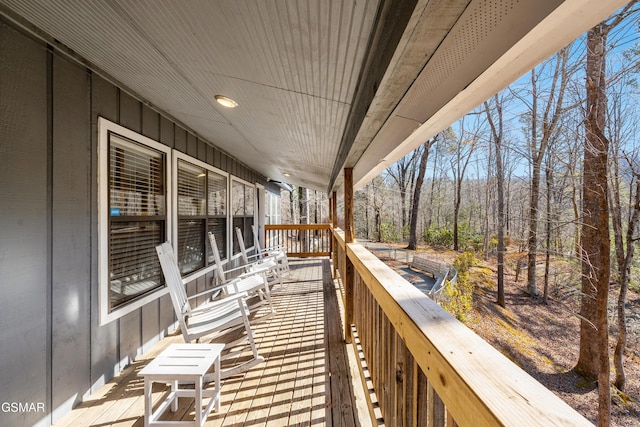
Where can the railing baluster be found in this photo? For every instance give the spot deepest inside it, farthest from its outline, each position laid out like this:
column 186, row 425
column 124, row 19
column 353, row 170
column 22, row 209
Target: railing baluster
column 421, row 398
column 398, row 401
column 300, row 240
column 436, row 408
column 413, row 350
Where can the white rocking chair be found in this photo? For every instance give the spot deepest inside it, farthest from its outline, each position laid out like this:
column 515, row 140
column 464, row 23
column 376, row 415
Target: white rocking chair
column 252, row 282
column 257, row 263
column 213, row 319
column 277, row 252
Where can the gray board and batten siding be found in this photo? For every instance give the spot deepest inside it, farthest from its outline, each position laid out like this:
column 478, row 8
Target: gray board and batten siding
column 53, row 350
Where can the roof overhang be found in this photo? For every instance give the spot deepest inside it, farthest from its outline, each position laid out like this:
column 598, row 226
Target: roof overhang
column 463, row 67
column 321, row 85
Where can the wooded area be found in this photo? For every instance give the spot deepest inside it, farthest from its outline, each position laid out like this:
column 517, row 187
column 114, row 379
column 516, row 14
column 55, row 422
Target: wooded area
column 546, row 170
column 540, row 172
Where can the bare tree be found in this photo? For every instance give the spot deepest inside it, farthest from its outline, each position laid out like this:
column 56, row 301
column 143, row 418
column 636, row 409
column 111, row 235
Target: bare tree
column 622, row 127
column 595, row 229
column 432, row 193
column 548, row 173
column 403, row 173
column 542, row 131
column 462, row 153
column 377, row 201
column 497, row 138
column 489, row 190
column 415, row 203
column 593, row 359
column 624, row 258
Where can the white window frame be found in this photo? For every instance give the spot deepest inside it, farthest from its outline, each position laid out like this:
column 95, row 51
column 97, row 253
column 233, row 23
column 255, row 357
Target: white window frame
column 104, row 128
column 177, row 155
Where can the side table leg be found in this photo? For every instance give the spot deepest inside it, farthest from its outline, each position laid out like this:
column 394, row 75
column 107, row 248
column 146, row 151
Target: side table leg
column 217, row 380
column 198, row 402
column 174, row 390
column 148, row 404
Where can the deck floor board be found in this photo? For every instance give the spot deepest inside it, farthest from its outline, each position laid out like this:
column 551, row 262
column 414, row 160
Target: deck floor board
column 292, row 387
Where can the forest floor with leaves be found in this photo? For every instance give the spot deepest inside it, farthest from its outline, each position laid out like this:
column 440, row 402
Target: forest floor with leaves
column 543, row 339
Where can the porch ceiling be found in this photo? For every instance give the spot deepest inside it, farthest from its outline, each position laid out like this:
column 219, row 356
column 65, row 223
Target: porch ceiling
column 321, row 85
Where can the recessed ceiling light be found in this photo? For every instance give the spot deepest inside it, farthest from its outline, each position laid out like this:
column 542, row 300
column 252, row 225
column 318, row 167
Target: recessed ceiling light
column 225, row 101
column 286, row 174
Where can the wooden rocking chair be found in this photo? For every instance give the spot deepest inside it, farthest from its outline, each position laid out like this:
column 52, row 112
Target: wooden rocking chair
column 213, row 319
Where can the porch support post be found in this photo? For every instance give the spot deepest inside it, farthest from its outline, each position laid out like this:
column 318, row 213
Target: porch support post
column 334, row 224
column 334, row 208
column 349, row 275
column 330, row 211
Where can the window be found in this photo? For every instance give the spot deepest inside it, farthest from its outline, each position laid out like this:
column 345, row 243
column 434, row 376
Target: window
column 133, row 220
column 242, row 205
column 201, row 194
column 272, row 211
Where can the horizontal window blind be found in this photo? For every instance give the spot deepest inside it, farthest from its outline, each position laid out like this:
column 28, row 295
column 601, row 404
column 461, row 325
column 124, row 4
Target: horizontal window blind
column 216, row 194
column 136, row 180
column 202, row 206
column 191, row 189
column 137, row 217
column 133, row 264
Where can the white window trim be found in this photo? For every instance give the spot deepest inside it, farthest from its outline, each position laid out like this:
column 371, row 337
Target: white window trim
column 104, row 127
column 177, row 155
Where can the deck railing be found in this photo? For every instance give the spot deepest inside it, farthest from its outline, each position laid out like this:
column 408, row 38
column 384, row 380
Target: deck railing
column 300, row 240
column 426, row 367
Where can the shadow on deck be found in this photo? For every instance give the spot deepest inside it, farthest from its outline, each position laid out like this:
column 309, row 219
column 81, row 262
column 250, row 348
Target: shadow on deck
column 305, row 379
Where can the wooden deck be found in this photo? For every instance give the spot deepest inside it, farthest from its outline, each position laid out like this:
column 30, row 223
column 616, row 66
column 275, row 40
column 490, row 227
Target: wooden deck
column 305, row 379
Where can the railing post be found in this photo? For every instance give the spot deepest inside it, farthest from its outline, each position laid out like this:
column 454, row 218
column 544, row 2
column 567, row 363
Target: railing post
column 349, row 274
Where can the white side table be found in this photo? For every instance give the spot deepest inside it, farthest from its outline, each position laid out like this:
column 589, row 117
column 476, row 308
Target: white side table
column 187, row 363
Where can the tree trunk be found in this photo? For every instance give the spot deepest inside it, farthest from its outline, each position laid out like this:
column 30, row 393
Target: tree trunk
column 403, row 172
column 456, row 214
column 548, row 124
column 366, row 214
column 593, row 361
column 547, row 258
column 413, row 239
column 497, row 140
column 500, row 249
column 486, row 236
column 573, row 160
column 432, row 192
column 624, row 272
column 532, row 241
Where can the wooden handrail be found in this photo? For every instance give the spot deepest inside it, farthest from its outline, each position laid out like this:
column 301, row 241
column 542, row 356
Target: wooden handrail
column 300, row 240
column 406, row 336
column 268, row 227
